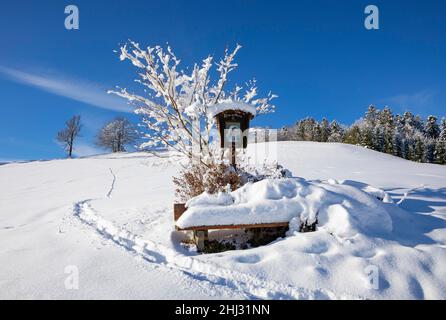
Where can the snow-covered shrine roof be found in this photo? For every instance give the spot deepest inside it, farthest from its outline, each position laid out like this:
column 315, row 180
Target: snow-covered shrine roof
column 231, row 105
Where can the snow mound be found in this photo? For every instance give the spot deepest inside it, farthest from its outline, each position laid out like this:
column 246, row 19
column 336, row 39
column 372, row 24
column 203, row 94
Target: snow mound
column 341, row 209
column 205, row 198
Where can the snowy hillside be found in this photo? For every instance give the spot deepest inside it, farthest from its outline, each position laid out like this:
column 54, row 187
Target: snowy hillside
column 111, row 218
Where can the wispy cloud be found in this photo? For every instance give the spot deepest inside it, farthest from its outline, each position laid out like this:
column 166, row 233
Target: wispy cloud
column 75, row 89
column 414, row 101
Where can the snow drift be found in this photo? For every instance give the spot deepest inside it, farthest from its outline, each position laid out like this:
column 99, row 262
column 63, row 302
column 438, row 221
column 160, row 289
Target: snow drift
column 339, row 208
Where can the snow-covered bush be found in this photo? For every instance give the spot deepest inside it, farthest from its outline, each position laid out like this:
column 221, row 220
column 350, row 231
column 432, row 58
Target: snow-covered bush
column 178, row 109
column 210, row 178
column 177, row 106
column 267, row 170
column 220, row 176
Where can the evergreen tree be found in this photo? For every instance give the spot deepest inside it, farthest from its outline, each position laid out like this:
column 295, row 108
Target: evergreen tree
column 300, row 130
column 386, row 125
column 418, row 124
column 429, row 151
column 443, row 130
column 408, row 122
column 378, row 139
column 398, row 137
column 371, row 116
column 404, row 148
column 367, row 139
column 418, row 149
column 309, row 129
column 353, row 135
column 317, row 133
column 325, row 130
column 431, row 128
column 440, row 152
column 336, row 132
column 397, row 145
column 409, row 146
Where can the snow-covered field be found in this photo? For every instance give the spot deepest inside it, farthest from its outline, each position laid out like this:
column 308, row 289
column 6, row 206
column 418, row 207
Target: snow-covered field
column 110, row 217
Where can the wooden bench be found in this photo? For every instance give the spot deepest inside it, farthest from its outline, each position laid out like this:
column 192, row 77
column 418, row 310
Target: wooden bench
column 201, row 233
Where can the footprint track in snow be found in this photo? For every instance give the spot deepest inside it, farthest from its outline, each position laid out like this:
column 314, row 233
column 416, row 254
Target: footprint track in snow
column 112, row 186
column 250, row 286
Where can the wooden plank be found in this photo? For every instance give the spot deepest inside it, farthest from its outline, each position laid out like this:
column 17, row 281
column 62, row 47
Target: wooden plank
column 241, row 226
column 178, row 210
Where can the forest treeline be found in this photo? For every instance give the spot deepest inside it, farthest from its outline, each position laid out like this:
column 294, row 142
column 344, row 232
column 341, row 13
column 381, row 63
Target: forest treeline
column 407, row 136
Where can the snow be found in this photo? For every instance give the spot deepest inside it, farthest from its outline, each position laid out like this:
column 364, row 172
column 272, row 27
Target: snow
column 111, row 217
column 205, row 199
column 340, row 208
column 352, row 211
column 217, row 108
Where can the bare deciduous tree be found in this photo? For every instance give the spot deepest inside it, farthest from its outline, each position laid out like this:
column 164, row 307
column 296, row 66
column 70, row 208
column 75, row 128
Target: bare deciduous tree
column 116, row 134
column 68, row 135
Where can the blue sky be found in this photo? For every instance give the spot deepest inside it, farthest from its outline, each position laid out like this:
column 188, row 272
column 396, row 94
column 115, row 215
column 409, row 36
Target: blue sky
column 316, row 55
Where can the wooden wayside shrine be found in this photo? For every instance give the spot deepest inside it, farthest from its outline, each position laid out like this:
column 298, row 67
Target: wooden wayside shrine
column 229, row 120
